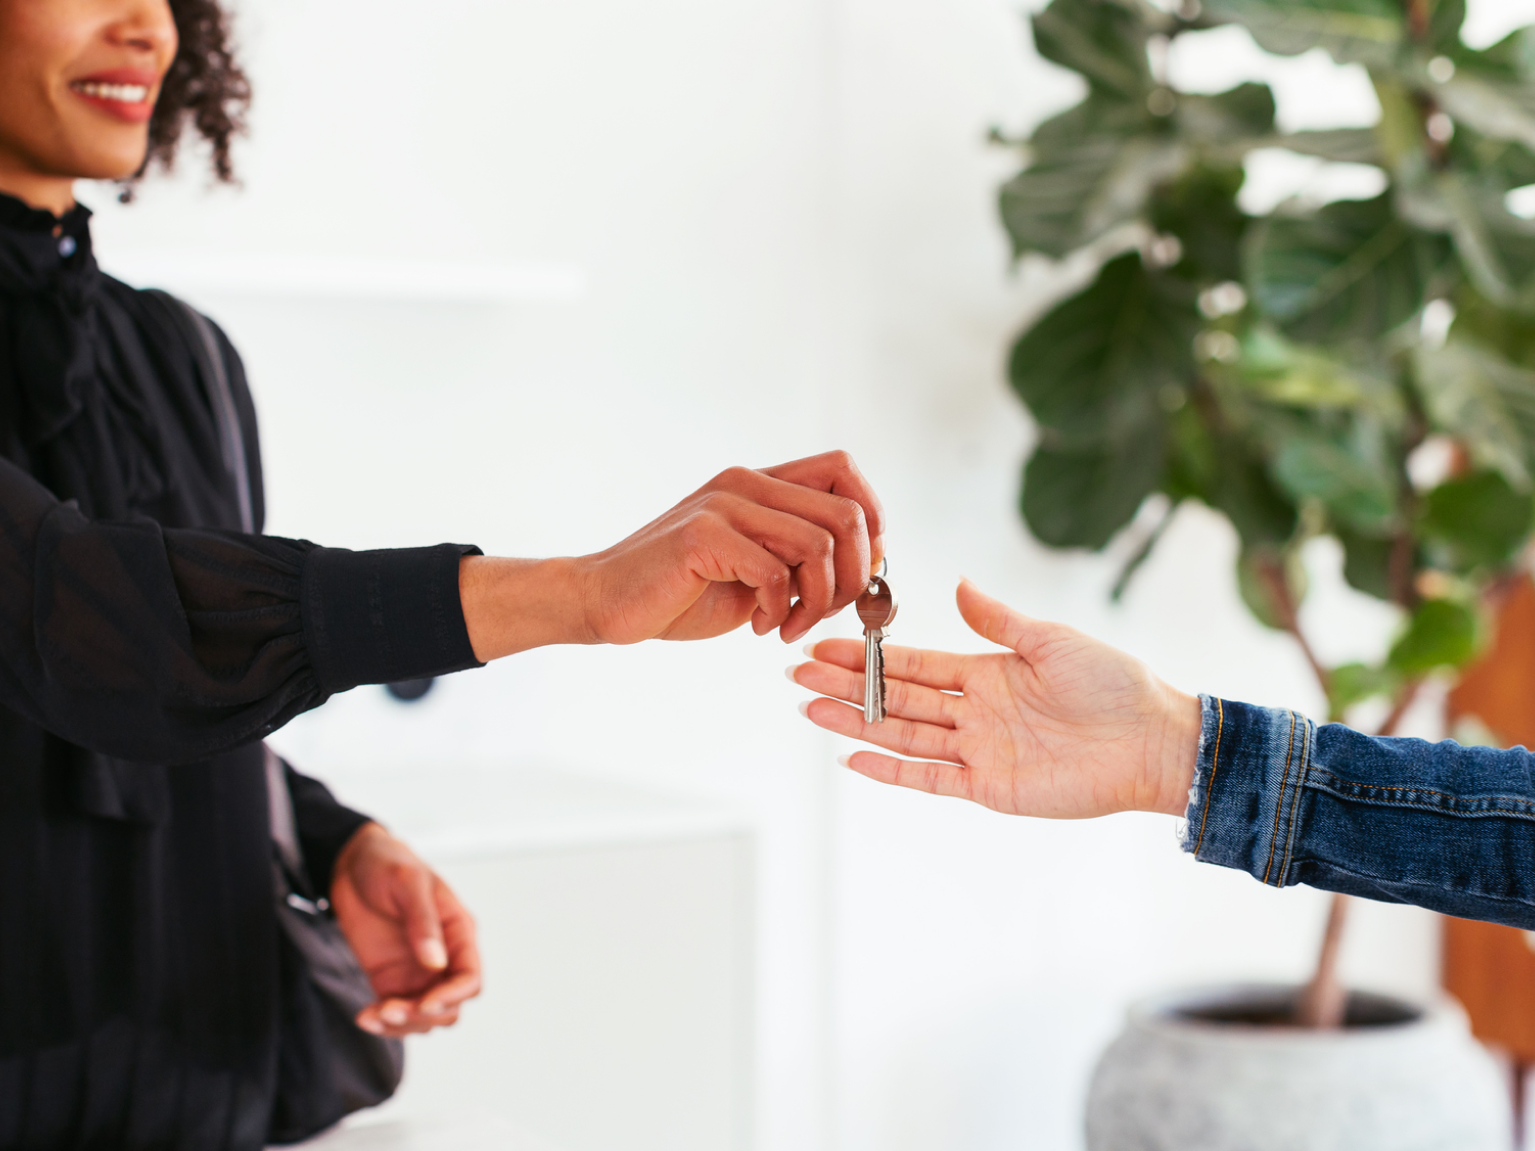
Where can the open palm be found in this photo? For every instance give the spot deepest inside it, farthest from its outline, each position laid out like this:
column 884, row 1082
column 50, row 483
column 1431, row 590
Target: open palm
column 1059, row 725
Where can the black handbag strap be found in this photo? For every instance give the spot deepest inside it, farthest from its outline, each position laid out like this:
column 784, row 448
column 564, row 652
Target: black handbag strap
column 210, row 362
column 348, row 1068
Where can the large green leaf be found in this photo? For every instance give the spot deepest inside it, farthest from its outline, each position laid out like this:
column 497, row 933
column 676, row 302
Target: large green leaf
column 1244, row 114
column 1512, row 57
column 1368, row 32
column 1103, row 40
column 1095, row 367
column 1502, row 110
column 1082, row 497
column 1353, row 682
column 1367, row 562
column 1260, row 511
column 1094, row 166
column 1201, row 209
column 1485, row 402
column 1441, row 633
column 1444, row 22
column 1475, row 521
column 1341, row 145
column 1492, row 164
column 1228, row 474
column 1352, row 482
column 1092, row 169
column 1496, row 248
column 1279, row 371
column 1508, row 333
column 1348, row 271
column 1492, row 91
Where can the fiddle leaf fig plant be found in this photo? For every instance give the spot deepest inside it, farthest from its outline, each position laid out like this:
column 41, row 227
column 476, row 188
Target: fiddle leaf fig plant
column 1300, row 371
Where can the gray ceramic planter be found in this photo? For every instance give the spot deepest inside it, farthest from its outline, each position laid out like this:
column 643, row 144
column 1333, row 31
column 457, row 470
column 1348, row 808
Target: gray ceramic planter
column 1196, row 1072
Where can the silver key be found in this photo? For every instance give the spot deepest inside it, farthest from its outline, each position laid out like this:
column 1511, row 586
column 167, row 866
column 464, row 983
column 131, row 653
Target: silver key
column 876, row 609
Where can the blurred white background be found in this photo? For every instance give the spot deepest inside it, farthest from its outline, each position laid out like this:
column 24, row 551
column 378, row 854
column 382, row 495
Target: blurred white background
column 523, row 274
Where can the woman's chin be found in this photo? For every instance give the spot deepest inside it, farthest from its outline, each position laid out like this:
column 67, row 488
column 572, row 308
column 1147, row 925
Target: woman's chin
column 117, row 157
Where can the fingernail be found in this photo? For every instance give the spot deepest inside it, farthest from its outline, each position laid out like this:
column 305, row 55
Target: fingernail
column 433, row 954
column 790, row 670
column 433, row 1009
column 394, row 1014
column 371, row 1025
column 804, row 709
column 845, row 760
column 809, row 649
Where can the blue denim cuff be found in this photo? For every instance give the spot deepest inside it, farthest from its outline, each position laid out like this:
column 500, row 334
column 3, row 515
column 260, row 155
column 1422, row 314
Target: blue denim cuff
column 1247, row 799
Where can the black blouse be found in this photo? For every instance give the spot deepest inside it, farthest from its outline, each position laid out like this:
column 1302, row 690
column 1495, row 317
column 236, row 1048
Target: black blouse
column 146, row 647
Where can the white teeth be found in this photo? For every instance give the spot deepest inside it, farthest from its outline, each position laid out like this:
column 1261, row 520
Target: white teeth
column 123, row 93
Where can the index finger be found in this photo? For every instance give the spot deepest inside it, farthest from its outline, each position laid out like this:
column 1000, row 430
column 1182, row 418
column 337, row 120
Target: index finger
column 943, row 670
column 835, row 472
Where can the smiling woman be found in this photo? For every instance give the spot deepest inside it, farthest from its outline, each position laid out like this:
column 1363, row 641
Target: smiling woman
column 156, row 987
column 81, row 79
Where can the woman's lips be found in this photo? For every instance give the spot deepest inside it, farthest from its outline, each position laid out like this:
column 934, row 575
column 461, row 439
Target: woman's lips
column 128, row 100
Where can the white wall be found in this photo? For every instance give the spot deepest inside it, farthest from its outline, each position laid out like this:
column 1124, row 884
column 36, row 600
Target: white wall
column 783, row 217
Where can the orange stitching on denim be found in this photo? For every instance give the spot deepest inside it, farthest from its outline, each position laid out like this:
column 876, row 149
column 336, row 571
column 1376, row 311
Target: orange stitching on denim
column 1307, row 730
column 1279, row 803
column 1215, row 762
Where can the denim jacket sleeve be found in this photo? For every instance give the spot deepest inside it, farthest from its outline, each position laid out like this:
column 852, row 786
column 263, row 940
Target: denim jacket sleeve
column 1443, row 826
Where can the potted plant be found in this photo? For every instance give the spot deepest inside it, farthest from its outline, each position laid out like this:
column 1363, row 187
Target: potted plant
column 1361, row 369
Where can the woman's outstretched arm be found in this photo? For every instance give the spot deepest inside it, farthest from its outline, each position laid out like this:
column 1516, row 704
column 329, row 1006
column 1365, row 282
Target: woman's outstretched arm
column 168, row 645
column 1063, row 726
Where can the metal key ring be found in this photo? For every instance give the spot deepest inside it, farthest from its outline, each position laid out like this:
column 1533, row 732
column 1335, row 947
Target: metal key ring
column 884, row 566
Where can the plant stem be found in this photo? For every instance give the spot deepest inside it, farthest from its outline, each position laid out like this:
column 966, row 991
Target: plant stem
column 1279, row 588
column 1323, row 1002
column 1142, row 554
column 1404, row 697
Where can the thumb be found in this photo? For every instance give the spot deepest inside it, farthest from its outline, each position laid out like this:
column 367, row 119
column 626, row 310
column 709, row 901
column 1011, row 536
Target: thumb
column 423, row 926
column 994, row 620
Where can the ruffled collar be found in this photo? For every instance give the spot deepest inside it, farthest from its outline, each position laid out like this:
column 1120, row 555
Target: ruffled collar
column 41, row 252
column 48, row 286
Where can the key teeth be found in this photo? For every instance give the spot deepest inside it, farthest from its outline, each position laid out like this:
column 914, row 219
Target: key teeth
column 879, row 656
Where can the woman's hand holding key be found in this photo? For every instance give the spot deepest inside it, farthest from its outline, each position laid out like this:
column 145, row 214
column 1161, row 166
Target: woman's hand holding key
column 783, row 547
column 1059, row 725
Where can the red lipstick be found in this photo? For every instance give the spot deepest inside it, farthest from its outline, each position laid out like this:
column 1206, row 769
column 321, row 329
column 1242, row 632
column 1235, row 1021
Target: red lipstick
column 124, row 93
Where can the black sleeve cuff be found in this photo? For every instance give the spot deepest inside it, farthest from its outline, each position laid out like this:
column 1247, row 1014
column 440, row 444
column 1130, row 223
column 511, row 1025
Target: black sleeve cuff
column 384, row 616
column 323, row 825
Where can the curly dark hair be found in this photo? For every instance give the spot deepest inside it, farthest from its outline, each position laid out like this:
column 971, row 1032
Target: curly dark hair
column 205, row 85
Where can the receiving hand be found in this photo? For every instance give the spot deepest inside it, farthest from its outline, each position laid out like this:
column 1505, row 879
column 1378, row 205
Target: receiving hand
column 409, row 932
column 784, row 547
column 1059, row 725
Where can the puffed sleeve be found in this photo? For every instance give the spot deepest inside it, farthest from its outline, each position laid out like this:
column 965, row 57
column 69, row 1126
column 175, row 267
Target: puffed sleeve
column 169, row 645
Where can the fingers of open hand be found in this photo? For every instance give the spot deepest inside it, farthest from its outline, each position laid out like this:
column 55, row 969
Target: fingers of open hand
column 919, row 775
column 909, row 737
column 841, row 516
column 902, row 699
column 941, row 670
